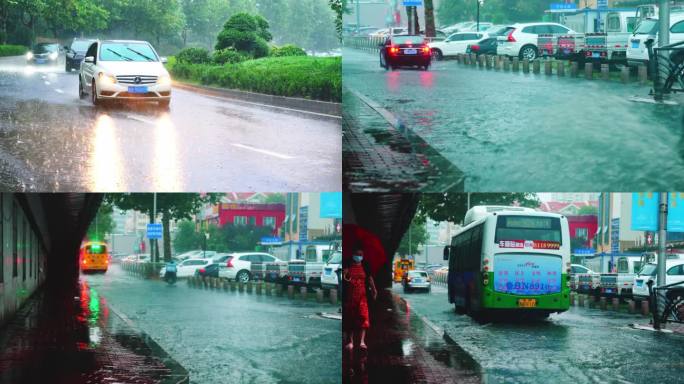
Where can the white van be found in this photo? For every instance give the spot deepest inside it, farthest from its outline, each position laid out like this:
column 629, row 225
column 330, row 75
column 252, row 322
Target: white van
column 674, row 273
column 637, row 51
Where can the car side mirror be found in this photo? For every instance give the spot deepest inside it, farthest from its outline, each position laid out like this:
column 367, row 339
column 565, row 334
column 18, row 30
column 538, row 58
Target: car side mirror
column 89, row 59
column 164, row 60
column 66, row 48
column 447, row 250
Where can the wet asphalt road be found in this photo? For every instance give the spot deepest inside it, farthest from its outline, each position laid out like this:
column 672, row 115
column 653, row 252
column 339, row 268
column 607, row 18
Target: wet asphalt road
column 516, row 132
column 52, row 141
column 578, row 346
column 228, row 337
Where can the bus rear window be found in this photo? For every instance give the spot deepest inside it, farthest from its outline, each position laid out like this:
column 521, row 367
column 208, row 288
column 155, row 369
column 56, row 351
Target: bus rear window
column 528, row 228
column 96, row 249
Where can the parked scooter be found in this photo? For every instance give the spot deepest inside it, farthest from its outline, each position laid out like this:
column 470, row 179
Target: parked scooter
column 170, row 273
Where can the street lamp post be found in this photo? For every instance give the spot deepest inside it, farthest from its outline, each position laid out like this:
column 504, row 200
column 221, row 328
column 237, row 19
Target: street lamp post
column 479, row 4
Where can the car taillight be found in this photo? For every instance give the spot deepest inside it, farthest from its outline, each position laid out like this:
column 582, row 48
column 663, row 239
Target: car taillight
column 229, row 263
column 426, row 50
column 393, row 50
column 511, row 39
column 202, row 270
column 84, row 261
column 475, row 47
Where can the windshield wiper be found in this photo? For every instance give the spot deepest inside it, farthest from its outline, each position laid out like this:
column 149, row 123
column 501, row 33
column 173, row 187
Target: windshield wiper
column 120, row 55
column 146, row 57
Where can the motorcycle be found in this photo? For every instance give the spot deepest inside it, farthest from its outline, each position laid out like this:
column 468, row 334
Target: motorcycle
column 170, row 274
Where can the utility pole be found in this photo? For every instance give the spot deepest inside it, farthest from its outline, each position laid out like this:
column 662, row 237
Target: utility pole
column 662, row 234
column 358, row 17
column 153, row 242
column 478, row 15
column 664, row 17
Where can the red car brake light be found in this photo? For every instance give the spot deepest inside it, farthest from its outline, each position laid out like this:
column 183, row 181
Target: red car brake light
column 202, row 270
column 426, row 50
column 393, row 50
column 511, row 39
column 474, row 47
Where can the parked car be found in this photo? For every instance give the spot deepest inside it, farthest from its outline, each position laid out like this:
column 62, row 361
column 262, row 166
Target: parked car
column 43, row 53
column 416, row 279
column 124, row 70
column 637, row 50
column 75, row 53
column 187, row 268
column 521, row 40
column 388, row 32
column 674, row 273
column 211, row 270
column 238, row 266
column 331, row 272
column 405, row 51
column 455, row 44
column 485, row 46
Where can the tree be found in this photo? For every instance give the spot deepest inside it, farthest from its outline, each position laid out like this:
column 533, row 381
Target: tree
column 429, row 19
column 171, row 206
column 452, row 207
column 496, row 11
column 588, row 210
column 414, row 237
column 187, row 238
column 102, row 224
column 275, row 198
column 243, row 237
column 245, row 33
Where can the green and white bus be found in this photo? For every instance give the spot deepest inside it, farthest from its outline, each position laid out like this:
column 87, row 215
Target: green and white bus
column 510, row 261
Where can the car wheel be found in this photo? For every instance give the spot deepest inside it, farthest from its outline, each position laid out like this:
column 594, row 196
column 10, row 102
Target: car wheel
column 437, row 54
column 81, row 92
column 94, row 98
column 528, row 52
column 242, row 276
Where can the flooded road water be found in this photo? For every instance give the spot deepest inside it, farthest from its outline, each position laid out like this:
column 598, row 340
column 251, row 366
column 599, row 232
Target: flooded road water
column 578, row 346
column 50, row 140
column 519, row 132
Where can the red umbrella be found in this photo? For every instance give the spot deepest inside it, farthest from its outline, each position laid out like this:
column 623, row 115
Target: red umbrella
column 373, row 251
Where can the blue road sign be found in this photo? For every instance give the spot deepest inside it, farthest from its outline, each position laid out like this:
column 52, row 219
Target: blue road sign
column 154, row 231
column 412, row 3
column 675, row 212
column 615, row 235
column 271, row 240
column 331, row 205
column 602, row 4
column 645, row 211
column 563, row 6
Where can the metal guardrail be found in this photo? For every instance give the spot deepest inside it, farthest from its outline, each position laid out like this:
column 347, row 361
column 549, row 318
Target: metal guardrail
column 666, row 68
column 667, row 303
column 143, row 270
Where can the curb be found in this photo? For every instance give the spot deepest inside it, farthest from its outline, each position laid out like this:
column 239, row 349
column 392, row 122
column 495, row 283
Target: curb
column 321, row 108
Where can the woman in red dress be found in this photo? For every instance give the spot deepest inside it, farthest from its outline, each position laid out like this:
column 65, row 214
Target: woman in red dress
column 355, row 316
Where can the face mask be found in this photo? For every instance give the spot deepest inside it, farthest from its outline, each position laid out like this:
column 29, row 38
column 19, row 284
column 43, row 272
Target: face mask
column 357, row 258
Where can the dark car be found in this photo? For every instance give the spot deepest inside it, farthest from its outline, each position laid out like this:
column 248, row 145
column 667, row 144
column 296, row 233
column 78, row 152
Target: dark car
column 75, row 53
column 211, row 270
column 405, row 51
column 483, row 47
column 43, row 53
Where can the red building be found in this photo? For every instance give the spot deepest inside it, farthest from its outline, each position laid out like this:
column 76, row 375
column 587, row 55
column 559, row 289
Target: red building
column 260, row 215
column 583, row 227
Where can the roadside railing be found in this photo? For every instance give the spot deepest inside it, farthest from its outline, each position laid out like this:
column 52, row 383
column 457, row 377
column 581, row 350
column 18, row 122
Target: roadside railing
column 440, row 278
column 667, row 303
column 143, row 270
column 371, row 44
column 667, row 69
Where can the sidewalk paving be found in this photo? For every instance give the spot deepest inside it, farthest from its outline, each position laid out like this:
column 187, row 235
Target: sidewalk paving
column 377, row 157
column 74, row 337
column 402, row 348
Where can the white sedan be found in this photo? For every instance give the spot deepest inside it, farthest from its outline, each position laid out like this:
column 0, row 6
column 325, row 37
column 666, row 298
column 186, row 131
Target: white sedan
column 124, row 70
column 455, row 44
column 187, row 268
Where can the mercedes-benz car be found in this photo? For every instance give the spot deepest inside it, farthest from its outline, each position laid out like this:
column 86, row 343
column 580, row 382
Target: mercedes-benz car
column 124, row 70
column 75, row 53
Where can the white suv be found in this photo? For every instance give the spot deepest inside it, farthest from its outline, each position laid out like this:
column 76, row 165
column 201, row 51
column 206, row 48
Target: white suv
column 521, row 40
column 238, row 266
column 124, row 70
column 329, row 278
column 637, row 51
column 674, row 273
column 187, row 268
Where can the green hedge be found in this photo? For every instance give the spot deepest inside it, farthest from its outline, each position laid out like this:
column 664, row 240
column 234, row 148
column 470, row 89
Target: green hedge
column 295, row 76
column 12, row 50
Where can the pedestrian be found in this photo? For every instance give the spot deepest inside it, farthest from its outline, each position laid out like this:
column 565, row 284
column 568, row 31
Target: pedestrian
column 357, row 281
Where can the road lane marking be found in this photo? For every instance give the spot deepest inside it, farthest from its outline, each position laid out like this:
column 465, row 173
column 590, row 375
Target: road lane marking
column 59, row 90
column 265, row 152
column 47, row 82
column 142, row 120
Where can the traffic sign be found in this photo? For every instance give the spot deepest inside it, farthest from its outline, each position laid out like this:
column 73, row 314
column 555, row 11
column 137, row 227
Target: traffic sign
column 271, row 240
column 154, row 231
column 675, row 212
column 331, row 205
column 645, row 211
column 563, row 6
column 615, row 235
column 412, row 3
column 602, row 4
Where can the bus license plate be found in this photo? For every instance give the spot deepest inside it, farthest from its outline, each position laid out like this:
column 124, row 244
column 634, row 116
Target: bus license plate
column 137, row 89
column 410, row 51
column 527, row 303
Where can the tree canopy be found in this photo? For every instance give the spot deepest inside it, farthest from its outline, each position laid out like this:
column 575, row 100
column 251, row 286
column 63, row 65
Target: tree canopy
column 452, row 207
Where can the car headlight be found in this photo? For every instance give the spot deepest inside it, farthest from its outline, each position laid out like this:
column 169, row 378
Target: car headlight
column 29, row 55
column 164, row 80
column 53, row 56
column 106, row 79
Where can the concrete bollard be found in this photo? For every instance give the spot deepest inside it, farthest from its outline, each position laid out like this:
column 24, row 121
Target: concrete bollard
column 645, row 310
column 589, row 71
column 269, row 289
column 631, row 306
column 624, row 74
column 249, row 286
column 616, row 304
column 536, row 67
column 574, row 69
column 233, row 285
column 581, row 300
column 319, row 295
column 643, row 74
column 259, row 287
column 483, row 61
column 279, row 289
column 605, row 72
column 466, row 59
column 226, row 285
column 506, row 64
column 333, row 296
column 516, row 64
column 473, row 59
column 560, row 68
column 290, row 291
column 488, row 62
column 241, row 286
column 303, row 292
column 573, row 296
column 548, row 68
column 526, row 66
column 603, row 302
